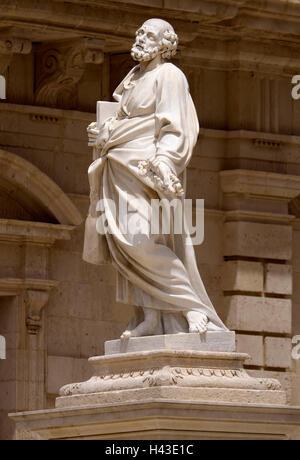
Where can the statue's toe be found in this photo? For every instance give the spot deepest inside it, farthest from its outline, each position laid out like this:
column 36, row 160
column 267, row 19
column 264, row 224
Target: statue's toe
column 126, row 335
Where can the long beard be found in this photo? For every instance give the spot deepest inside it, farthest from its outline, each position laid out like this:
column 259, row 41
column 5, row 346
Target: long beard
column 145, row 54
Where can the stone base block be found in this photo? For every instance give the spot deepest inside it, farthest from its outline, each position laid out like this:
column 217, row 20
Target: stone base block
column 161, row 420
column 166, row 394
column 192, row 394
column 173, row 375
column 223, row 341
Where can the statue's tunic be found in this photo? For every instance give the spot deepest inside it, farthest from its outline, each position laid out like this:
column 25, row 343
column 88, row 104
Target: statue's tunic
column 157, row 118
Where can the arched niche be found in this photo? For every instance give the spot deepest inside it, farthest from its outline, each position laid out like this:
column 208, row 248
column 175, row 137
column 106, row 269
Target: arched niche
column 26, row 193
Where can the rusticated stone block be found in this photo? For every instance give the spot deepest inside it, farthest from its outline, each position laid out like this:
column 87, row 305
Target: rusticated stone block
column 245, row 313
column 238, row 275
column 265, row 241
column 252, row 345
column 279, row 279
column 278, row 352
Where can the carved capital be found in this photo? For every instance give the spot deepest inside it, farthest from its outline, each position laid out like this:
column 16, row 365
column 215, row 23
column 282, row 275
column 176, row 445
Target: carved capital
column 36, row 301
column 61, row 67
column 10, row 46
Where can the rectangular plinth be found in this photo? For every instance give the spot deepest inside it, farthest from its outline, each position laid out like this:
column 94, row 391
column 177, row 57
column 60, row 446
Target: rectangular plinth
column 175, row 393
column 223, row 341
column 162, row 420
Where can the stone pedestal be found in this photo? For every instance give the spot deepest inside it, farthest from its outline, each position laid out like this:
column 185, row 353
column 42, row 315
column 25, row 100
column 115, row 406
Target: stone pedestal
column 182, row 367
column 169, row 388
column 211, row 341
column 161, row 420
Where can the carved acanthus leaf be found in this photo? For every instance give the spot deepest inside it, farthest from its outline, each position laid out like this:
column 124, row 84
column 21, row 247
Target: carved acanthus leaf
column 271, row 384
column 36, row 301
column 60, row 68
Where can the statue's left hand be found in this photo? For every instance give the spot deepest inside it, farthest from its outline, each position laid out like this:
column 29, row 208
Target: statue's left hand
column 162, row 170
column 93, row 133
column 99, row 136
column 164, row 177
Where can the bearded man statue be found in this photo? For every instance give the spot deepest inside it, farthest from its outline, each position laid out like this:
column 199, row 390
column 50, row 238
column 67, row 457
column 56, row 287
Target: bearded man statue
column 144, row 150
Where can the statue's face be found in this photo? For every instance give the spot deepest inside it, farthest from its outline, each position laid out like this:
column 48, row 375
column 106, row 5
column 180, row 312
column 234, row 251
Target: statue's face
column 148, row 42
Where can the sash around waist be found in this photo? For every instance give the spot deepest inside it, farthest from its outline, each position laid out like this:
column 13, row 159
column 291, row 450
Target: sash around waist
column 132, row 133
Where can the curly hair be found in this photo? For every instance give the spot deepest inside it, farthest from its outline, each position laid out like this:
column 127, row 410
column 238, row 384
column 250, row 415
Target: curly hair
column 169, row 43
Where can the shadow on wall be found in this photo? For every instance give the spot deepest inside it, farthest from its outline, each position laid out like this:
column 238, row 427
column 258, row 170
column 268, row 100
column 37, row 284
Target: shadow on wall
column 294, row 207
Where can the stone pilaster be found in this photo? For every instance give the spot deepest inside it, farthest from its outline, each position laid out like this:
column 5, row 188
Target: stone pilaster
column 257, row 272
column 23, row 301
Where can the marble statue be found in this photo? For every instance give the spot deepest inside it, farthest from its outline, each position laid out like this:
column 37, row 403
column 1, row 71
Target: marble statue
column 142, row 153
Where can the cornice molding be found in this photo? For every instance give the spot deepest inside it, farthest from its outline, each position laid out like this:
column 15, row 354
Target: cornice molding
column 116, row 21
column 261, row 184
column 258, row 217
column 14, row 286
column 33, row 232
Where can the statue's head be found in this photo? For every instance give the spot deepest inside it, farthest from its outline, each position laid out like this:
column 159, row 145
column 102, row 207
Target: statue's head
column 153, row 38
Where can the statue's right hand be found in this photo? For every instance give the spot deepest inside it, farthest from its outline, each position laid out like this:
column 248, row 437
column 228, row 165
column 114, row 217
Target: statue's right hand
column 93, row 133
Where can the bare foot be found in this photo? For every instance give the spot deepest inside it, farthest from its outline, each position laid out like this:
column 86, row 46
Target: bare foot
column 147, row 327
column 131, row 326
column 197, row 321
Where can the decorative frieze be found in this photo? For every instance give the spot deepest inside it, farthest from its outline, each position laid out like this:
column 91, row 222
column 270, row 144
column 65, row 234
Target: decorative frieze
column 10, row 46
column 267, row 143
column 13, row 45
column 44, row 118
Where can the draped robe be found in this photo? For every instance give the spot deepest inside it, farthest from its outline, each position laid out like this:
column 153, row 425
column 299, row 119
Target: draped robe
column 157, row 118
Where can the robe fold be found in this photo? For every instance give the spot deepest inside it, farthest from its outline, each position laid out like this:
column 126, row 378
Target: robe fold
column 157, row 117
